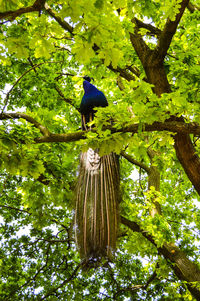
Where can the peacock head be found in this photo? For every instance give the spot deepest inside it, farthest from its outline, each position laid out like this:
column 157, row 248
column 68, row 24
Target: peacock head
column 87, row 86
column 88, row 78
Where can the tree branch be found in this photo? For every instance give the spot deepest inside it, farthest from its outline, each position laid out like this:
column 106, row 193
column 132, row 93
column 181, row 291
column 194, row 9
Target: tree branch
column 67, row 100
column 153, row 30
column 63, row 283
column 13, row 208
column 60, row 21
column 184, row 268
column 191, row 7
column 19, row 79
column 123, row 72
column 42, row 268
column 66, row 26
column 44, row 131
column 151, row 278
column 141, row 48
column 173, row 126
column 153, row 180
column 136, row 287
column 169, row 31
column 170, row 126
column 128, row 289
column 38, row 5
column 134, row 70
column 135, row 162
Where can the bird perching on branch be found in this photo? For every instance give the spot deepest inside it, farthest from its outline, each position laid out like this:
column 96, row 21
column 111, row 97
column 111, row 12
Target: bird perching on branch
column 97, row 192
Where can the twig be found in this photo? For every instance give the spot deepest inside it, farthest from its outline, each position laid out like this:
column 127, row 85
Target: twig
column 52, row 291
column 19, row 79
column 40, row 269
column 13, row 208
column 126, row 289
column 191, row 7
column 67, row 100
column 151, row 278
column 135, row 162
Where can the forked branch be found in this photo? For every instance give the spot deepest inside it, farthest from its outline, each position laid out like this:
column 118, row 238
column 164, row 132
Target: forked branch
column 169, row 31
column 38, row 5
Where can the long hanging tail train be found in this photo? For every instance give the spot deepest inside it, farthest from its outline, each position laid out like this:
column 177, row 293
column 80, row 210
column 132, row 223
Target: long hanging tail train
column 97, row 199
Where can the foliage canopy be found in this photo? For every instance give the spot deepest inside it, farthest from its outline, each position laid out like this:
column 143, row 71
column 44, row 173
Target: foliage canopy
column 144, row 55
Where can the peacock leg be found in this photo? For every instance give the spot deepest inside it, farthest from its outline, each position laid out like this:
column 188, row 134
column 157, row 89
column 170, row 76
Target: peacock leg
column 90, row 119
column 84, row 128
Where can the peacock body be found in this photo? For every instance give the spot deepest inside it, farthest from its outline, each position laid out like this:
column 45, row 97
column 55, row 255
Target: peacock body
column 97, row 192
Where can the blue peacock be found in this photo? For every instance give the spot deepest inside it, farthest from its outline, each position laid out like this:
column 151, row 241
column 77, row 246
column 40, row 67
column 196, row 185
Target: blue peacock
column 97, row 191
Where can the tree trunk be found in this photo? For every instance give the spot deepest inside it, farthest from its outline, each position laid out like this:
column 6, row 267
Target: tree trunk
column 185, row 150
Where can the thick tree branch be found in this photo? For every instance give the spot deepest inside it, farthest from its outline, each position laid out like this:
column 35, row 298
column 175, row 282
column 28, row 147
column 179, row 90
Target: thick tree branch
column 184, row 268
column 169, row 31
column 170, row 126
column 153, row 180
column 38, row 5
column 183, row 145
column 141, row 48
column 153, row 64
column 44, row 131
column 69, row 137
column 188, row 158
column 124, row 73
column 173, row 126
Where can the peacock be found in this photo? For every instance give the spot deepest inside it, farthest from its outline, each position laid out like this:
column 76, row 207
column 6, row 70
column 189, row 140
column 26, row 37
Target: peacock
column 97, row 191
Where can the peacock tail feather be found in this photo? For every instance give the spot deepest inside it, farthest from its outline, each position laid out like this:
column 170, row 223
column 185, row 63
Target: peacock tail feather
column 97, row 205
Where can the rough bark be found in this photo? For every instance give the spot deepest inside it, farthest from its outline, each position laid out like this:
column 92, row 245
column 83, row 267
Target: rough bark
column 152, row 61
column 154, row 180
column 188, row 158
column 184, row 268
column 173, row 126
column 185, row 150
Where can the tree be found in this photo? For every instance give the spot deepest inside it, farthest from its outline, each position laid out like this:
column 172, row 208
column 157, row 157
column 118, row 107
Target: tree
column 144, row 55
